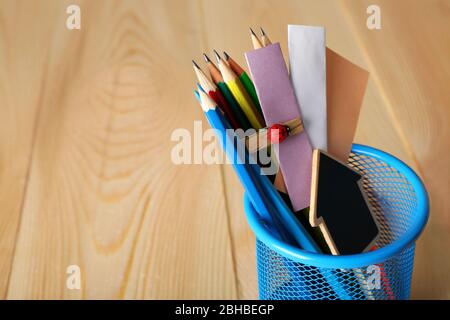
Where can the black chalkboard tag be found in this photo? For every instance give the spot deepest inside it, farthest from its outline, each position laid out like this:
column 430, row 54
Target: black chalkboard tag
column 339, row 206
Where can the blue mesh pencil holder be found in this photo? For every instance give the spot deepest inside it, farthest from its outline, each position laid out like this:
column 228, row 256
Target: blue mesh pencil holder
column 400, row 203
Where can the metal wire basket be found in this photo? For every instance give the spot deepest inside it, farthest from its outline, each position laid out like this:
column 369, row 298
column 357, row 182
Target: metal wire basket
column 400, row 203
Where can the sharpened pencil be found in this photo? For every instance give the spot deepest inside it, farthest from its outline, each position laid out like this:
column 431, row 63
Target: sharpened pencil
column 246, row 171
column 255, row 40
column 215, row 94
column 218, row 79
column 213, row 70
column 245, row 80
column 239, row 93
column 257, row 186
column 264, row 38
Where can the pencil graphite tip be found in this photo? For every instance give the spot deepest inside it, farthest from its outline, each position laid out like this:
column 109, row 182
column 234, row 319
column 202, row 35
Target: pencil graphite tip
column 252, row 32
column 206, row 58
column 227, row 57
column 262, row 31
column 218, row 58
column 195, row 64
column 200, row 88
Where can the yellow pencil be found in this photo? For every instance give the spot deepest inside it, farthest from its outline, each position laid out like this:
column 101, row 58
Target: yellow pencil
column 239, row 93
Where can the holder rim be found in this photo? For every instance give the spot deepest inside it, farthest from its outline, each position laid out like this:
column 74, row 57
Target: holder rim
column 380, row 255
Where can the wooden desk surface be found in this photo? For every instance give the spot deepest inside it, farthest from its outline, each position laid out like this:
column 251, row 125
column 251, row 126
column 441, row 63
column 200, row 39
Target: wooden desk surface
column 85, row 124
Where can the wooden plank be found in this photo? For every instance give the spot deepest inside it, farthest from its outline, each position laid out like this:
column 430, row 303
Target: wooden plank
column 408, row 61
column 243, row 239
column 22, row 69
column 97, row 164
column 103, row 193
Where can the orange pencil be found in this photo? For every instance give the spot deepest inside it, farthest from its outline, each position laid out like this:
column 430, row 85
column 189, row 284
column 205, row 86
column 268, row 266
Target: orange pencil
column 218, row 79
column 240, row 94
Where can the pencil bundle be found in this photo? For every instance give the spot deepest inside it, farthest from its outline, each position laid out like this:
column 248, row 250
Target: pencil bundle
column 289, row 110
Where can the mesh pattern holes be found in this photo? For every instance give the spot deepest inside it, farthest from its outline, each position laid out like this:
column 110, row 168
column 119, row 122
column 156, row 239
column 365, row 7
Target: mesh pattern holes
column 394, row 202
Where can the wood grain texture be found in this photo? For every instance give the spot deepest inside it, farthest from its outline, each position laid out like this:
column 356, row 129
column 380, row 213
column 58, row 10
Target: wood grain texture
column 22, row 58
column 103, row 192
column 85, row 124
column 409, row 63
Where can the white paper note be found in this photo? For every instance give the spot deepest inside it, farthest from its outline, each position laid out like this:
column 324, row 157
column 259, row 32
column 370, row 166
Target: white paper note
column 308, row 74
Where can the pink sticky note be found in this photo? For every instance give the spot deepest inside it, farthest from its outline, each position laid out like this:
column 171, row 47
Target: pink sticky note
column 279, row 104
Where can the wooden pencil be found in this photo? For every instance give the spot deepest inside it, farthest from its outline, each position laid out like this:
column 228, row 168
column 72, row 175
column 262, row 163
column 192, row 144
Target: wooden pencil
column 239, row 93
column 215, row 94
column 245, row 80
column 279, row 179
column 244, row 170
column 220, row 82
column 213, row 70
column 255, row 40
column 264, row 38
